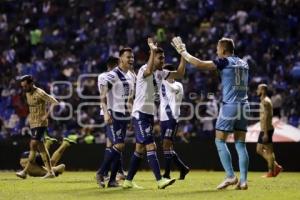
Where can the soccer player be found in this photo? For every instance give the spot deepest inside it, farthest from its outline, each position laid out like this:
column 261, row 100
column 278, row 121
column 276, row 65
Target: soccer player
column 37, row 167
column 116, row 89
column 265, row 142
column 171, row 93
column 37, row 100
column 111, row 63
column 148, row 82
column 56, row 156
column 235, row 108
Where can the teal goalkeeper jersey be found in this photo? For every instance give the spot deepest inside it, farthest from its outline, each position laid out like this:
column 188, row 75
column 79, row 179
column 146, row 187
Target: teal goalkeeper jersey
column 234, row 77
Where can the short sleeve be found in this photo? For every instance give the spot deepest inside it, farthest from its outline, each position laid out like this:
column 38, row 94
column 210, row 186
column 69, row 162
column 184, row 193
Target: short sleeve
column 45, row 97
column 111, row 77
column 101, row 80
column 142, row 70
column 221, row 63
column 180, row 89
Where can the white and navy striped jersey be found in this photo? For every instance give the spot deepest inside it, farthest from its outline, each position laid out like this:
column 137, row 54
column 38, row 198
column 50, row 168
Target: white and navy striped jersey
column 171, row 95
column 121, row 86
column 146, row 89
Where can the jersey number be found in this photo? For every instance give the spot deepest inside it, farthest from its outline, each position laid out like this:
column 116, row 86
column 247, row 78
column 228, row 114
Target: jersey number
column 168, row 133
column 238, row 76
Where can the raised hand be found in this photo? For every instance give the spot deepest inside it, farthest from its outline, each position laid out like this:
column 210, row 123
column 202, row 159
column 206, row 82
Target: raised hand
column 178, row 44
column 151, row 44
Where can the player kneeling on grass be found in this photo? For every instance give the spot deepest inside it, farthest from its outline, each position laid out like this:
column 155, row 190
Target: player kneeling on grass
column 37, row 168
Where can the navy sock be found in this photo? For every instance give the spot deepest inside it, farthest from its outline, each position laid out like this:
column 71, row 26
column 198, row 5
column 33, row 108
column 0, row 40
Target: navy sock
column 134, row 165
column 121, row 164
column 115, row 164
column 154, row 164
column 178, row 162
column 106, row 156
column 168, row 161
column 108, row 161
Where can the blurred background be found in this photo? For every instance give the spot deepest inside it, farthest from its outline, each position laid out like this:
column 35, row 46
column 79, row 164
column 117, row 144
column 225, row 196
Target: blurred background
column 60, row 40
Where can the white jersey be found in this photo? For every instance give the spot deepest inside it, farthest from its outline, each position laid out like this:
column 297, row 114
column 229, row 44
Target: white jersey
column 171, row 95
column 146, row 89
column 132, row 76
column 121, row 86
column 102, row 82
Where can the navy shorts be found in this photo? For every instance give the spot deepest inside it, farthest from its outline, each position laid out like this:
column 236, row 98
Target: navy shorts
column 168, row 129
column 39, row 133
column 116, row 132
column 143, row 128
column 233, row 117
column 270, row 137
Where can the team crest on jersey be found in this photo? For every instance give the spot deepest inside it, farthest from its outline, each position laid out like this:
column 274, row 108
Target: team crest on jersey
column 119, row 132
column 110, row 76
column 159, row 77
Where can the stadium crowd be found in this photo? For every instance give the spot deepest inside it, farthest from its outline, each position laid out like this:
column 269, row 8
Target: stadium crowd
column 60, row 40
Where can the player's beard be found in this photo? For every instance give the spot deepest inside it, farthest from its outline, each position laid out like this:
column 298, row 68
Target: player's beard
column 28, row 90
column 159, row 67
column 260, row 94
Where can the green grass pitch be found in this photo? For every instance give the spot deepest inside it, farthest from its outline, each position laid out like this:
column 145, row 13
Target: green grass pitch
column 198, row 185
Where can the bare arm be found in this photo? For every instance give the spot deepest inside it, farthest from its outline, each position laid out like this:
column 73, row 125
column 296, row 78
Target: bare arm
column 130, row 104
column 103, row 103
column 264, row 125
column 150, row 64
column 103, row 100
column 180, row 70
column 266, row 118
column 200, row 64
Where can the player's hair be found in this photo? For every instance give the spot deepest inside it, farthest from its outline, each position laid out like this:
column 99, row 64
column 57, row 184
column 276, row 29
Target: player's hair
column 112, row 62
column 169, row 67
column 227, row 44
column 264, row 87
column 123, row 50
column 27, row 78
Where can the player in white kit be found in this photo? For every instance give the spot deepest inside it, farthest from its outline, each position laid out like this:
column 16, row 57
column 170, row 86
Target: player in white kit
column 111, row 63
column 171, row 94
column 116, row 93
column 149, row 79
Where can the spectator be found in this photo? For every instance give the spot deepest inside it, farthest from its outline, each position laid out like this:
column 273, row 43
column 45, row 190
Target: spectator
column 59, row 40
